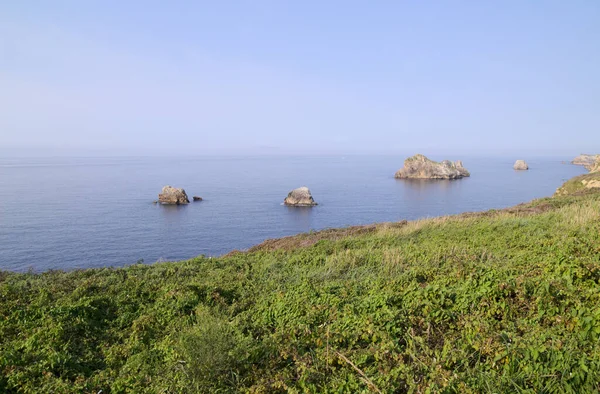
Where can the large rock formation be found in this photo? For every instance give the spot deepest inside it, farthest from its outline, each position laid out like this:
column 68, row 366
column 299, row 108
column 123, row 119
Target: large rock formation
column 172, row 195
column 420, row 167
column 521, row 165
column 300, row 197
column 588, row 161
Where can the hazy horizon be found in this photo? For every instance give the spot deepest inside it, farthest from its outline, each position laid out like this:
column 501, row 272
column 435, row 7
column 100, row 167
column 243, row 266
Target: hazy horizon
column 433, row 154
column 268, row 78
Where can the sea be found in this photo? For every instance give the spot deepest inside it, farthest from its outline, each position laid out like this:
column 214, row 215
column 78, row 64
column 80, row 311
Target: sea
column 75, row 213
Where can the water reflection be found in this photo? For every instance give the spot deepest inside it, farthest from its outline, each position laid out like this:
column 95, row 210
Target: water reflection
column 301, row 216
column 171, row 212
column 427, row 197
column 420, row 186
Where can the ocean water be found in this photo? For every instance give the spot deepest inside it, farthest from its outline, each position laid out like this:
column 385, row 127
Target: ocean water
column 69, row 213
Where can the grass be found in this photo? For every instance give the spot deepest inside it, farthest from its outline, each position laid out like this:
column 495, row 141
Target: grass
column 497, row 301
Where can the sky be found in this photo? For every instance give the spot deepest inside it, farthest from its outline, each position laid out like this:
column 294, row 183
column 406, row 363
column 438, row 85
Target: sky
column 299, row 77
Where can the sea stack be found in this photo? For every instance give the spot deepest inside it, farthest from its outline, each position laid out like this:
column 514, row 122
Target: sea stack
column 173, row 196
column 420, row 167
column 521, row 165
column 300, row 197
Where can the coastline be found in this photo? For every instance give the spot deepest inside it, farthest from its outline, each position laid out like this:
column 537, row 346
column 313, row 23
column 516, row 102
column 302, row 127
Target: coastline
column 495, row 299
column 308, row 239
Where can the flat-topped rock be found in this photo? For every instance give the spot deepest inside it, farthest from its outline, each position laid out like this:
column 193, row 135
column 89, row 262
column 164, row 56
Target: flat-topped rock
column 588, row 161
column 173, row 196
column 420, row 167
column 300, row 197
column 521, row 165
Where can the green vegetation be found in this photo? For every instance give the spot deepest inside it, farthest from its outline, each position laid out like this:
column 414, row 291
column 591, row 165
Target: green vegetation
column 499, row 301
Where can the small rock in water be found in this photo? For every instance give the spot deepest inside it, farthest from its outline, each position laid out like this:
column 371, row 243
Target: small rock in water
column 172, row 195
column 196, row 198
column 521, row 165
column 300, row 197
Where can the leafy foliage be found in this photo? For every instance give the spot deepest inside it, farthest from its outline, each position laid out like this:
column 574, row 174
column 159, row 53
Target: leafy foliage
column 502, row 301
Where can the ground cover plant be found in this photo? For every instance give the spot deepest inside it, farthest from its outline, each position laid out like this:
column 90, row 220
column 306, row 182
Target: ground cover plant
column 498, row 301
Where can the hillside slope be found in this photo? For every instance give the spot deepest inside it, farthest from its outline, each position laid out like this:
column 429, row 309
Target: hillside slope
column 581, row 183
column 498, row 301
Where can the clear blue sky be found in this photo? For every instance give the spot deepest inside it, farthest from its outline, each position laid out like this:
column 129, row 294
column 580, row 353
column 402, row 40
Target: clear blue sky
column 253, row 77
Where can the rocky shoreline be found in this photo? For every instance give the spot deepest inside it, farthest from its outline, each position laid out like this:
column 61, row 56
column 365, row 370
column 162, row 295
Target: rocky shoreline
column 586, row 160
column 304, row 240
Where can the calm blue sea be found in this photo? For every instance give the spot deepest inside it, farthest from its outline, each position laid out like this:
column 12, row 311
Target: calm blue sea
column 68, row 213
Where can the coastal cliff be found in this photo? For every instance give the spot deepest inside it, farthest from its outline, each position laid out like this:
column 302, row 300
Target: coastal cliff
column 596, row 166
column 582, row 183
column 586, row 160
